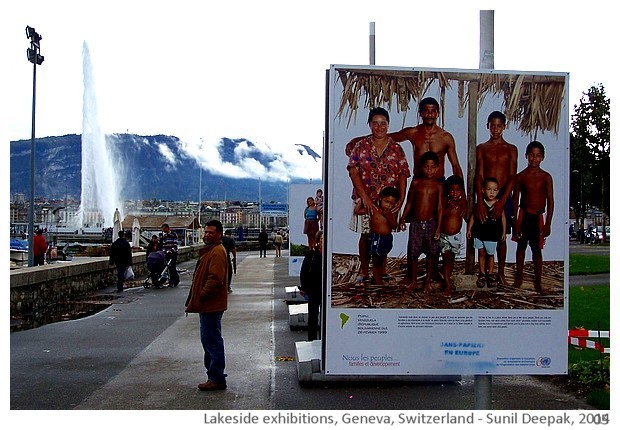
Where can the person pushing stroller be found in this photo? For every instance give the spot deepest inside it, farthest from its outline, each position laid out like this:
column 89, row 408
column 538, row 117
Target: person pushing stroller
column 170, row 243
column 156, row 264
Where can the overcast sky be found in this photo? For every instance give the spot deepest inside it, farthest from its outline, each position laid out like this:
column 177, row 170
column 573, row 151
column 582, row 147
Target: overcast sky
column 256, row 69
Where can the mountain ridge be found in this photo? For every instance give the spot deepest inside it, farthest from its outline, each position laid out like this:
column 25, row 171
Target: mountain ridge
column 161, row 167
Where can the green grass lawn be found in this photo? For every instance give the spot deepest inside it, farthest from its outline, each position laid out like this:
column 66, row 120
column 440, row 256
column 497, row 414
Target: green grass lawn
column 581, row 264
column 589, row 308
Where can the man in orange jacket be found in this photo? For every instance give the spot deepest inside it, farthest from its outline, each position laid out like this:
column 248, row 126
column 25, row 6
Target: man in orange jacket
column 208, row 297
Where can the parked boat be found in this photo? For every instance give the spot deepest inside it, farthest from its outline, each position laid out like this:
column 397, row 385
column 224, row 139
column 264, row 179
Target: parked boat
column 19, row 251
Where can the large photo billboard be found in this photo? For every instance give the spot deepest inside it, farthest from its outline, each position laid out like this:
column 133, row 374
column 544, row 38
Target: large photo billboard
column 446, row 223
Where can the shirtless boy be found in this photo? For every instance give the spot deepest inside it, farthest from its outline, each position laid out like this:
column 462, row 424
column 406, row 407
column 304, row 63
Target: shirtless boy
column 424, row 137
column 534, row 187
column 454, row 212
column 380, row 239
column 498, row 159
column 424, row 207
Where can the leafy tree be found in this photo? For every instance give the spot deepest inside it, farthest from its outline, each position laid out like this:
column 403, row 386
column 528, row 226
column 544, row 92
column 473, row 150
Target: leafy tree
column 590, row 147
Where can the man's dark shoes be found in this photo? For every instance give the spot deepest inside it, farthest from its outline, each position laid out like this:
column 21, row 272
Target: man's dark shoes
column 211, row 386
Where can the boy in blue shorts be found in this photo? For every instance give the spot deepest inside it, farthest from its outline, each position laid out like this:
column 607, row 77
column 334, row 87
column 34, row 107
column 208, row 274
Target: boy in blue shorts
column 487, row 234
column 380, row 239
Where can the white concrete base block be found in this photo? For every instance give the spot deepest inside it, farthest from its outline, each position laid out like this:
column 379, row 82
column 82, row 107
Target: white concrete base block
column 293, row 295
column 308, row 356
column 298, row 315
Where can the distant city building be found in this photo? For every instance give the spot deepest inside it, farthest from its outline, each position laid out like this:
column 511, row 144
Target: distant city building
column 232, row 218
column 62, row 215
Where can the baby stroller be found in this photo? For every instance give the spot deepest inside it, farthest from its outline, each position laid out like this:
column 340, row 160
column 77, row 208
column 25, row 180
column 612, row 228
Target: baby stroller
column 157, row 266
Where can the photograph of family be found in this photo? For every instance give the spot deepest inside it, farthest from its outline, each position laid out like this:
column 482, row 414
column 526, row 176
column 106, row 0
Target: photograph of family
column 453, row 191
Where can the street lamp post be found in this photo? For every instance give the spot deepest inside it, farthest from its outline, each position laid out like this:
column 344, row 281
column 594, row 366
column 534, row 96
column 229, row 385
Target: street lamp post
column 199, row 194
column 34, row 56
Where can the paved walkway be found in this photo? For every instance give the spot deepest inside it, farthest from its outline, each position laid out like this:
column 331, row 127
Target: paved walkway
column 143, row 353
column 168, row 371
column 589, row 280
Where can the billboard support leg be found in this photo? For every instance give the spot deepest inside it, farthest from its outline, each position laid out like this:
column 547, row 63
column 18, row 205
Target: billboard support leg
column 482, row 391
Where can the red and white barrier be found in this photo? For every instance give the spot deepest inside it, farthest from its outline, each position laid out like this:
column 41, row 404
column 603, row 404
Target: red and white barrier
column 579, row 337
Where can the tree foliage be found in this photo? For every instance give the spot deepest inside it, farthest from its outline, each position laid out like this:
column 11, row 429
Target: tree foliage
column 590, row 148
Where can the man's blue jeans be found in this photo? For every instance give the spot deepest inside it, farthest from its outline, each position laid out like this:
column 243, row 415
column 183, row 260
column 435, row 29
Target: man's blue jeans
column 213, row 345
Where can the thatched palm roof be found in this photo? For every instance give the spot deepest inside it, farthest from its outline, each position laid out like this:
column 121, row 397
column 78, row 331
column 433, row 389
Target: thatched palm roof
column 533, row 102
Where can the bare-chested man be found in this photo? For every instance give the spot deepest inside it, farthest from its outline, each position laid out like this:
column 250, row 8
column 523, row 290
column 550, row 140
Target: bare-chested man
column 496, row 158
column 424, row 137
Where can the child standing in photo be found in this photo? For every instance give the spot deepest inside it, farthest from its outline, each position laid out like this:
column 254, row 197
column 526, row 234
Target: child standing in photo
column 486, row 234
column 424, row 208
column 534, row 187
column 380, row 239
column 454, row 212
column 318, row 201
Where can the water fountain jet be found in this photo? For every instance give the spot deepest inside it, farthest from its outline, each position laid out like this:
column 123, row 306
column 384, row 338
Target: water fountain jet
column 101, row 182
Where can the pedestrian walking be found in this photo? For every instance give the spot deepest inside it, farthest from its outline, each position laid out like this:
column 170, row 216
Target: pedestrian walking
column 170, row 244
column 231, row 253
column 39, row 248
column 120, row 255
column 263, row 238
column 311, row 285
column 278, row 240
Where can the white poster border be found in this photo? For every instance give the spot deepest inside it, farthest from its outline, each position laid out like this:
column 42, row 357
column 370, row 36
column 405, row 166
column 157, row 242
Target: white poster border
column 375, row 341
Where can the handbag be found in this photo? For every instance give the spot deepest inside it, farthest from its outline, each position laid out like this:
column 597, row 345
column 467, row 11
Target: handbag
column 129, row 275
